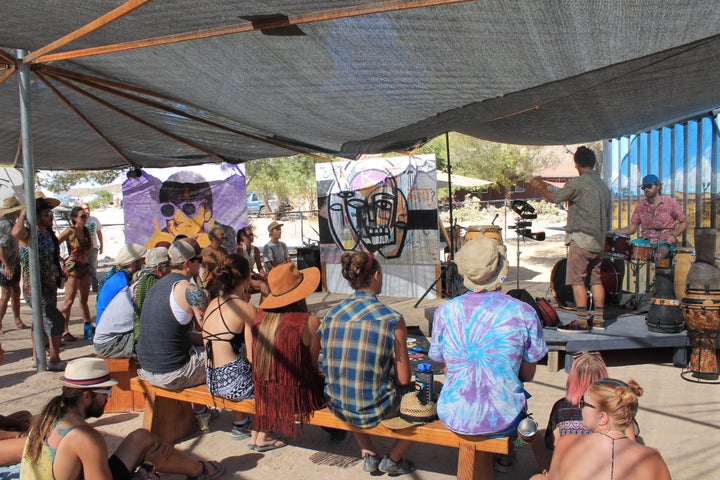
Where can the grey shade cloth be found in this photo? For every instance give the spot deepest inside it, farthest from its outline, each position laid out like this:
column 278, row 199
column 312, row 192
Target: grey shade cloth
column 522, row 72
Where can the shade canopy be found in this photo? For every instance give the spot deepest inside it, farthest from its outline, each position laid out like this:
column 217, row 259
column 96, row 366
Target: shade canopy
column 179, row 82
column 459, row 181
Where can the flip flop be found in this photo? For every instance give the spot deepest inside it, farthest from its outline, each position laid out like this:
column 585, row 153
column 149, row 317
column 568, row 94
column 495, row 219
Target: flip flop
column 219, row 471
column 69, row 337
column 21, row 326
column 266, row 448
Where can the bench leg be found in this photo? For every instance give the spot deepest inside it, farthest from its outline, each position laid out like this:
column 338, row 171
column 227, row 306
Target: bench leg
column 474, row 465
column 167, row 418
column 553, row 361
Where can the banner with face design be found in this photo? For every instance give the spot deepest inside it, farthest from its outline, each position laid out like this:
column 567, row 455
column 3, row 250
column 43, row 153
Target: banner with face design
column 385, row 206
column 190, row 201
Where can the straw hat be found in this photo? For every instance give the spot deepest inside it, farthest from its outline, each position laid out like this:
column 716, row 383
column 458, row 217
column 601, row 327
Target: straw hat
column 412, row 413
column 10, row 205
column 482, row 263
column 274, row 225
column 129, row 253
column 87, row 372
column 289, row 285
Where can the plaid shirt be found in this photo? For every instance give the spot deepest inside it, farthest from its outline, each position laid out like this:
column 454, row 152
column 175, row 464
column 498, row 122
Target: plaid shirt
column 357, row 337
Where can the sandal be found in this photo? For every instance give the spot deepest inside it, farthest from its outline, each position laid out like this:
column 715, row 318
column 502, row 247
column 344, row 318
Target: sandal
column 69, row 337
column 575, row 326
column 219, row 471
column 273, row 445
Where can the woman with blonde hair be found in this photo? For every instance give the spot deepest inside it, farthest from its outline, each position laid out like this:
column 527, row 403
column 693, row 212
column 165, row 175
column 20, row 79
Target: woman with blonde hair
column 608, row 410
column 285, row 349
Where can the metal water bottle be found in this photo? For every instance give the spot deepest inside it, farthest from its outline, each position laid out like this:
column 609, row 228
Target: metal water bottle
column 424, row 383
column 88, row 331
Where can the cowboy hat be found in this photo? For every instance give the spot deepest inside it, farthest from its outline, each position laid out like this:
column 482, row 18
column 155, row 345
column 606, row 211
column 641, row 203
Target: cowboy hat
column 45, row 203
column 482, row 263
column 87, row 372
column 412, row 413
column 289, row 285
column 10, row 205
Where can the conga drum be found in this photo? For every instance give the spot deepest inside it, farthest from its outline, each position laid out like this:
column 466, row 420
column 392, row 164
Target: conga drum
column 490, row 231
column 682, row 261
column 617, row 245
column 702, row 318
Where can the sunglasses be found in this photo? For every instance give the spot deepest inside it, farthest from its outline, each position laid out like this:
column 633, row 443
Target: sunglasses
column 581, row 353
column 107, row 392
column 190, row 209
column 582, row 404
column 83, row 216
column 646, row 187
column 195, row 260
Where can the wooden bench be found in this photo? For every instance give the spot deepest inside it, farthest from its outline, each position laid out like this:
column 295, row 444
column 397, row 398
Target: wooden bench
column 169, row 415
column 123, row 399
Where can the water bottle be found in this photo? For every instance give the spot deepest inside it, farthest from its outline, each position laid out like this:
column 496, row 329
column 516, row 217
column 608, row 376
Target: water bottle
column 88, row 331
column 424, row 383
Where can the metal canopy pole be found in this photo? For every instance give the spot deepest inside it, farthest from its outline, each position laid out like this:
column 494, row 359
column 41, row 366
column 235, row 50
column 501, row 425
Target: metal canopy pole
column 29, row 184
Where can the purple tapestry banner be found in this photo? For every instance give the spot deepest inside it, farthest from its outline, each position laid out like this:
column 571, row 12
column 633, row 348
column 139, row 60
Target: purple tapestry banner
column 190, row 201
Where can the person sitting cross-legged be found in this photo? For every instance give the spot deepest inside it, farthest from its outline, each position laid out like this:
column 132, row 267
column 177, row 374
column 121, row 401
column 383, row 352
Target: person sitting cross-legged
column 63, row 446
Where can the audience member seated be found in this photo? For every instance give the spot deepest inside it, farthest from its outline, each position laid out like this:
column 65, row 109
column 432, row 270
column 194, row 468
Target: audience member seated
column 226, row 331
column 213, row 256
column 285, row 349
column 489, row 343
column 608, row 410
column 129, row 260
column 166, row 345
column 258, row 275
column 115, row 337
column 60, row 440
column 366, row 378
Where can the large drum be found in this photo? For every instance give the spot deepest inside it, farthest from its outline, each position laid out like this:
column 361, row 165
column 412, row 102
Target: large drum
column 617, row 245
column 702, row 318
column 609, row 277
column 682, row 261
column 490, row 231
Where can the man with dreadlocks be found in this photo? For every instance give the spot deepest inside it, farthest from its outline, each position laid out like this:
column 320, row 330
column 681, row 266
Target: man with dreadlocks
column 61, row 445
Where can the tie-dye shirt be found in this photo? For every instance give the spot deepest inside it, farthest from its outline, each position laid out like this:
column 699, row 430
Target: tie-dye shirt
column 483, row 338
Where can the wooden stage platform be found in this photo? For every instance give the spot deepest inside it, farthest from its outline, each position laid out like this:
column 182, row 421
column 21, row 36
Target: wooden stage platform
column 624, row 330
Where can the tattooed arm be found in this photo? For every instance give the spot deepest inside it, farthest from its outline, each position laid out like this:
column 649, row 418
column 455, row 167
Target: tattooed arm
column 197, row 301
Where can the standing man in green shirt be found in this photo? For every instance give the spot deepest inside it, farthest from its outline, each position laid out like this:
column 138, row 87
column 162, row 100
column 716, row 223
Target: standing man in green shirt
column 589, row 210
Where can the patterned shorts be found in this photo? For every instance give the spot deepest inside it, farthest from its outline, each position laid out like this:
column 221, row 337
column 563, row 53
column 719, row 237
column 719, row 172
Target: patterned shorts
column 232, row 381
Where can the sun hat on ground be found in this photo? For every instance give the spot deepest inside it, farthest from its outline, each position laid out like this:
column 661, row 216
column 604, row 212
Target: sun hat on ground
column 289, row 285
column 482, row 263
column 129, row 253
column 412, row 413
column 10, row 205
column 87, row 372
column 183, row 250
column 156, row 256
column 274, row 225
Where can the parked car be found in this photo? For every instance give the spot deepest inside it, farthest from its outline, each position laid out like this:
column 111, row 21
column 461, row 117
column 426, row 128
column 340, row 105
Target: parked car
column 256, row 206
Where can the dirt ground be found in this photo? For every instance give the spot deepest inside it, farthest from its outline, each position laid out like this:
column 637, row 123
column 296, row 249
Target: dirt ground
column 679, row 418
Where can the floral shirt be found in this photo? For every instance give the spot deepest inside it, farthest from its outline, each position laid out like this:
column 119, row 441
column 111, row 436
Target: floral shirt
column 483, row 338
column 665, row 213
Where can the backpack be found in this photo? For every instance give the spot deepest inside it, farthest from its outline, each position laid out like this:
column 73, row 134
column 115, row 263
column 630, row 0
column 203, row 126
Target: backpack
column 544, row 310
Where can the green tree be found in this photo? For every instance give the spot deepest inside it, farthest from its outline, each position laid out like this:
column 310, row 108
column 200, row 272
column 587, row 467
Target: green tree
column 65, row 180
column 287, row 177
column 103, row 199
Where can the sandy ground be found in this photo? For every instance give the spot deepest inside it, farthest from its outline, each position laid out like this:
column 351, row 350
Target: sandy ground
column 680, row 418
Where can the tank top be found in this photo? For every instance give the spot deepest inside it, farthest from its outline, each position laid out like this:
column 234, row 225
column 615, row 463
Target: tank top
column 43, row 469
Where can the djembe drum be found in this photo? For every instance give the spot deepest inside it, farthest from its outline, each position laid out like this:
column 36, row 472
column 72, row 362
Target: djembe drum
column 701, row 306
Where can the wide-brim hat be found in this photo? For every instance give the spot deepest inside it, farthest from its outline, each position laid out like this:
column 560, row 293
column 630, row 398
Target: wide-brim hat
column 289, row 285
column 45, row 203
column 412, row 413
column 87, row 372
column 10, row 205
column 274, row 225
column 482, row 263
column 130, row 253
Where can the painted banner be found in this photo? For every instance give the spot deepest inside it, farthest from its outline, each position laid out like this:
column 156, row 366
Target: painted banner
column 386, row 206
column 190, row 201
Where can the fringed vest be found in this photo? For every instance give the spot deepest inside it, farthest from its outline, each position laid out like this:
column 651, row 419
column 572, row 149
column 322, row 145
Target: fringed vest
column 294, row 389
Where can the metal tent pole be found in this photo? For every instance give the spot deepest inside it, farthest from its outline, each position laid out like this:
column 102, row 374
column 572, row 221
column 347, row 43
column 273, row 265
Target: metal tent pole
column 29, row 184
